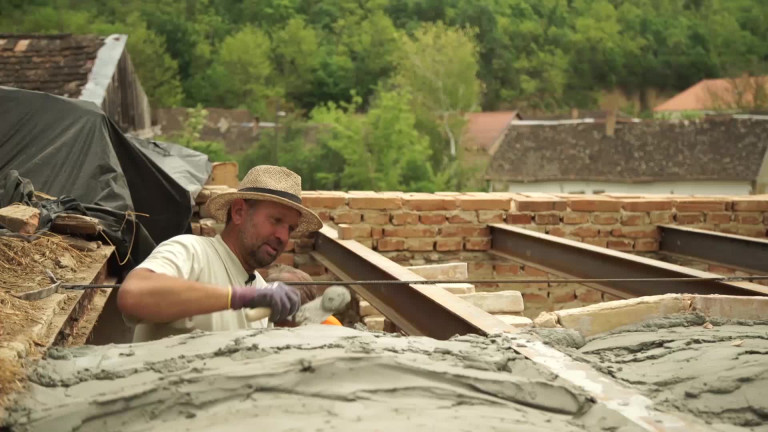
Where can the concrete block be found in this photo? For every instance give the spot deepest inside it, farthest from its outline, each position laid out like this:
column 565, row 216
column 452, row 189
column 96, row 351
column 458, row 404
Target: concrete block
column 366, row 309
column 546, row 320
column 603, row 317
column 516, row 321
column 458, row 288
column 731, row 307
column 442, row 271
column 496, row 302
column 374, row 323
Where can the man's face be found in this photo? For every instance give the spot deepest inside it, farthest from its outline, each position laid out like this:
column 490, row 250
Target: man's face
column 265, row 231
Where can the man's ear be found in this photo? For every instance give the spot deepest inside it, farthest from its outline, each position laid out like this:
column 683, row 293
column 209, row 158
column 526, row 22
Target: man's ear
column 238, row 209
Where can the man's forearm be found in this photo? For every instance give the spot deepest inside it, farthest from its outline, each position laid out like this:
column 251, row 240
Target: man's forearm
column 159, row 298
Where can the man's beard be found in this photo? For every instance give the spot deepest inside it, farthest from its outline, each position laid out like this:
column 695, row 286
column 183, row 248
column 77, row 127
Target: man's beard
column 261, row 258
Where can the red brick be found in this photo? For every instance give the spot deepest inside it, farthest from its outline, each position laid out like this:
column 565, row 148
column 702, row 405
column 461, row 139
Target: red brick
column 410, row 231
column 463, row 217
column 313, row 269
column 490, row 216
column 632, row 219
column 405, row 218
column 688, row 218
column 646, row 205
column 448, row 244
column 519, row 218
column 589, row 295
column 528, row 204
column 748, row 218
column 620, row 245
column 285, row 259
column 420, row 244
column 593, row 204
column 480, row 270
column 374, row 202
column 428, row 202
column 377, row 232
column 699, row 205
column 195, row 226
column 564, row 295
column 506, row 269
column 323, row 201
column 347, row 217
column 390, row 244
column 720, row 270
column 348, row 232
column 646, row 245
column 556, row 231
column 475, row 244
column 324, row 215
column 605, row 218
column 584, row 231
column 637, row 232
column 534, row 298
column 751, row 230
column 575, row 218
column 376, row 218
column 464, row 231
column 718, row 218
column 602, row 242
column 534, row 272
column 483, row 202
column 547, row 218
column 662, row 217
column 751, row 203
column 432, row 218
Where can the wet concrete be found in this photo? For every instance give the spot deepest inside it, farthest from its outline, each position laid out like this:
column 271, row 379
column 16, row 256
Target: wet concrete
column 307, row 378
column 717, row 373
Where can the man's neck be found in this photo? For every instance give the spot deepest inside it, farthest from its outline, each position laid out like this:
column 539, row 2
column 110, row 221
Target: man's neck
column 229, row 236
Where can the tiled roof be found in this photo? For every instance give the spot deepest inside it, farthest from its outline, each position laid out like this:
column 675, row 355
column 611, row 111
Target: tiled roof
column 717, row 94
column 727, row 149
column 485, row 128
column 57, row 64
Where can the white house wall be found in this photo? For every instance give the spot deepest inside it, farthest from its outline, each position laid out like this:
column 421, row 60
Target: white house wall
column 677, row 188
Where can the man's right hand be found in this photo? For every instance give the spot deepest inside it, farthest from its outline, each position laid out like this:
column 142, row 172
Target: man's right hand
column 282, row 299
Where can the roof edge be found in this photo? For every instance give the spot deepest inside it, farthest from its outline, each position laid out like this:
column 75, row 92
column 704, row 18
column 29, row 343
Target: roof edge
column 104, row 67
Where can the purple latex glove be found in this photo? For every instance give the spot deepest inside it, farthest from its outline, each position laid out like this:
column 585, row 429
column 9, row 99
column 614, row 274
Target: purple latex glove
column 284, row 300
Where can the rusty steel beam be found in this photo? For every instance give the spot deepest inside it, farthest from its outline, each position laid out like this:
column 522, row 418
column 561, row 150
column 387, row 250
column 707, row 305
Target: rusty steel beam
column 738, row 252
column 574, row 259
column 419, row 310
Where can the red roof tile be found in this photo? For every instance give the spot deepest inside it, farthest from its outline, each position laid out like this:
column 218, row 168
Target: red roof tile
column 486, row 128
column 717, row 94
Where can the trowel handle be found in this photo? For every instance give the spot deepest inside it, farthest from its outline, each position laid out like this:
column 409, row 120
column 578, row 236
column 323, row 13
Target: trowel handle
column 257, row 314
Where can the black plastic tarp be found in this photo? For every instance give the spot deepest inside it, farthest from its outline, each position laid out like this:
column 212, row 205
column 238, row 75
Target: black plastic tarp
column 70, row 147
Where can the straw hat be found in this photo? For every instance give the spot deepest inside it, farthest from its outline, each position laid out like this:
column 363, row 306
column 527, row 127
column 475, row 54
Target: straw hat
column 268, row 183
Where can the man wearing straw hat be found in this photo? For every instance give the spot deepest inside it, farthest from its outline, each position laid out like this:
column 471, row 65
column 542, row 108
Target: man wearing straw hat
column 191, row 282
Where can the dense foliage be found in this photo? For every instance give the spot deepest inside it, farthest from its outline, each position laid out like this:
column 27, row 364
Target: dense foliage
column 414, row 65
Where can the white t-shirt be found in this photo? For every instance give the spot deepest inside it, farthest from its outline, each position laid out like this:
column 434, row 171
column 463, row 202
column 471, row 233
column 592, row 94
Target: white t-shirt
column 203, row 259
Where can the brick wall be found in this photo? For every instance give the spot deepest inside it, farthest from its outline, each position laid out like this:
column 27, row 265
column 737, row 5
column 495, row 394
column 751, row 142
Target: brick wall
column 418, row 228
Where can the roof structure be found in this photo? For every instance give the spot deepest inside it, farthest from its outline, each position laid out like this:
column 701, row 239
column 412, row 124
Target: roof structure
column 484, row 129
column 59, row 63
column 715, row 149
column 720, row 94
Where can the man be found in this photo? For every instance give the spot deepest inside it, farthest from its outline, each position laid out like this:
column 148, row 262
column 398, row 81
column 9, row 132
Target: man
column 191, row 282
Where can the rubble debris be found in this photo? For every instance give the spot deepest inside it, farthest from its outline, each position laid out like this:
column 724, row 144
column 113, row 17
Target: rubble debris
column 20, row 218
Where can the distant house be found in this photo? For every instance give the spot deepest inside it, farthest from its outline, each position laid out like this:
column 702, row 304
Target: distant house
column 483, row 134
column 237, row 129
column 745, row 93
column 86, row 67
column 713, row 156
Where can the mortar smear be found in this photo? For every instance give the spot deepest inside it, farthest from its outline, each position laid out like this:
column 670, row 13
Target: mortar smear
column 306, row 378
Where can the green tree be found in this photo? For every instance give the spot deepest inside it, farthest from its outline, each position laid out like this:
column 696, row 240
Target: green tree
column 382, row 149
column 190, row 136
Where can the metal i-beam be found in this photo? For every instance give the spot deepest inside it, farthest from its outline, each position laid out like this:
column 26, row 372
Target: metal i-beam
column 743, row 253
column 574, row 259
column 419, row 310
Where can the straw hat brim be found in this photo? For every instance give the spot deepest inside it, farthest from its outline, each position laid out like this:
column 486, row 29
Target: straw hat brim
column 218, row 206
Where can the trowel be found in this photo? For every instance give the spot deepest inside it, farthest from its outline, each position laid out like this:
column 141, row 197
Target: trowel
column 57, row 287
column 334, row 299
